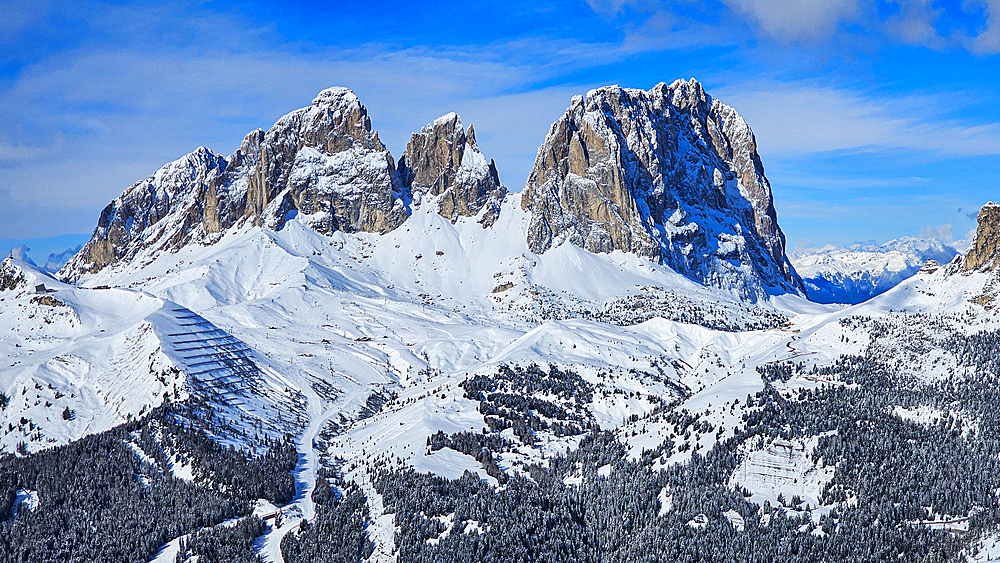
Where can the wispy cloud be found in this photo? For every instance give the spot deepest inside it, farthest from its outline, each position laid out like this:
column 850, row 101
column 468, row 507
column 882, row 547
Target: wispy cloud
column 911, row 22
column 787, row 20
column 793, row 118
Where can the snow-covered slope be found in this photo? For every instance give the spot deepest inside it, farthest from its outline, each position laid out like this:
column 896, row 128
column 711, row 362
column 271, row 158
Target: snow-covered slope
column 834, row 274
column 79, row 361
column 363, row 346
column 365, row 311
column 374, row 348
column 76, row 361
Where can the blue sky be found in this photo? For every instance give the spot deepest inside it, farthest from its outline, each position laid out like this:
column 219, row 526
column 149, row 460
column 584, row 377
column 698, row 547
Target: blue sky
column 873, row 120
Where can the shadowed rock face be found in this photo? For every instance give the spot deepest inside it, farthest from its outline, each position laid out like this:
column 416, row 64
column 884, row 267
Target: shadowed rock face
column 444, row 160
column 669, row 174
column 323, row 161
column 984, row 254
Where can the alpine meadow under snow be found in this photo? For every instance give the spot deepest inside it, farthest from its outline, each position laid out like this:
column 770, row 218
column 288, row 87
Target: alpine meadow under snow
column 312, row 351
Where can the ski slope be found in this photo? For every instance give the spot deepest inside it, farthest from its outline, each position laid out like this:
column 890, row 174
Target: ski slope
column 357, row 344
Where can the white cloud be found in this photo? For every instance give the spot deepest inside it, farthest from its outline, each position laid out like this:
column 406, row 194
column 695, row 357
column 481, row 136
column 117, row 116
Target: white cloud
column 13, row 152
column 786, row 20
column 988, row 42
column 914, row 24
column 942, row 233
column 608, row 7
column 796, row 118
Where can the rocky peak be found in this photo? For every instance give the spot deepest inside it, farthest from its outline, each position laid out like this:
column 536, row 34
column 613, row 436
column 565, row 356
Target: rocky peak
column 323, row 161
column 670, row 174
column 186, row 191
column 984, row 254
column 444, row 160
column 348, row 175
column 11, row 275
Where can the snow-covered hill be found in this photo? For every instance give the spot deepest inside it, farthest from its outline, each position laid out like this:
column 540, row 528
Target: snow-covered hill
column 596, row 395
column 835, row 274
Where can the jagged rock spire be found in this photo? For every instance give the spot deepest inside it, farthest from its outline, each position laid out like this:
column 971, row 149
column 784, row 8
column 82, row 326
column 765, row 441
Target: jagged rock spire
column 444, row 160
column 669, row 174
column 984, row 254
column 323, row 161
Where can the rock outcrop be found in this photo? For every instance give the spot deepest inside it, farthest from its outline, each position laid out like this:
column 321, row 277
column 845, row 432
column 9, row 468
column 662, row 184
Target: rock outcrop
column 326, row 162
column 984, row 254
column 444, row 160
column 11, row 276
column 323, row 161
column 669, row 174
column 178, row 203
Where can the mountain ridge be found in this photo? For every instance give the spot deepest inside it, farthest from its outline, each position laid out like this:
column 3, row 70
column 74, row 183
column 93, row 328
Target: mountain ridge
column 670, row 174
column 326, row 163
column 835, row 274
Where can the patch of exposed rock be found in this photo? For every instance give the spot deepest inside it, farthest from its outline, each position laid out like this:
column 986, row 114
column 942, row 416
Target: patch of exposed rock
column 11, row 276
column 187, row 191
column 326, row 162
column 669, row 174
column 444, row 160
column 323, row 161
column 984, row 254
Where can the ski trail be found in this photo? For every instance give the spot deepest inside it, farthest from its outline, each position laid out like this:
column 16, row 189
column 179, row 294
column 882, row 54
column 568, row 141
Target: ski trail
column 382, row 531
column 302, row 506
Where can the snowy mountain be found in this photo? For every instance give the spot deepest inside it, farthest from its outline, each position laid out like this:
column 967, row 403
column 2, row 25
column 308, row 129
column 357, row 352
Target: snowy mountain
column 56, row 260
column 303, row 353
column 670, row 173
column 443, row 160
column 323, row 161
column 835, row 274
column 707, row 212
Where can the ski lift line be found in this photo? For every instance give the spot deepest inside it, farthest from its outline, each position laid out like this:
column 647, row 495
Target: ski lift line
column 208, row 371
column 222, row 379
column 219, row 353
column 226, row 362
column 195, row 324
column 182, row 309
column 225, row 347
column 243, row 369
column 220, row 361
column 217, row 347
column 191, row 316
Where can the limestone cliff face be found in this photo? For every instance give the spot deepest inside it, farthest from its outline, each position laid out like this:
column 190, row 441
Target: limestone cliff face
column 984, row 254
column 323, row 161
column 326, row 162
column 186, row 191
column 444, row 160
column 670, row 174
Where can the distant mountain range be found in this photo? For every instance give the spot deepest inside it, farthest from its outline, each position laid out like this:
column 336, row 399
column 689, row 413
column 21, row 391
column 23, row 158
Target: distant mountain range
column 53, row 263
column 835, row 274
